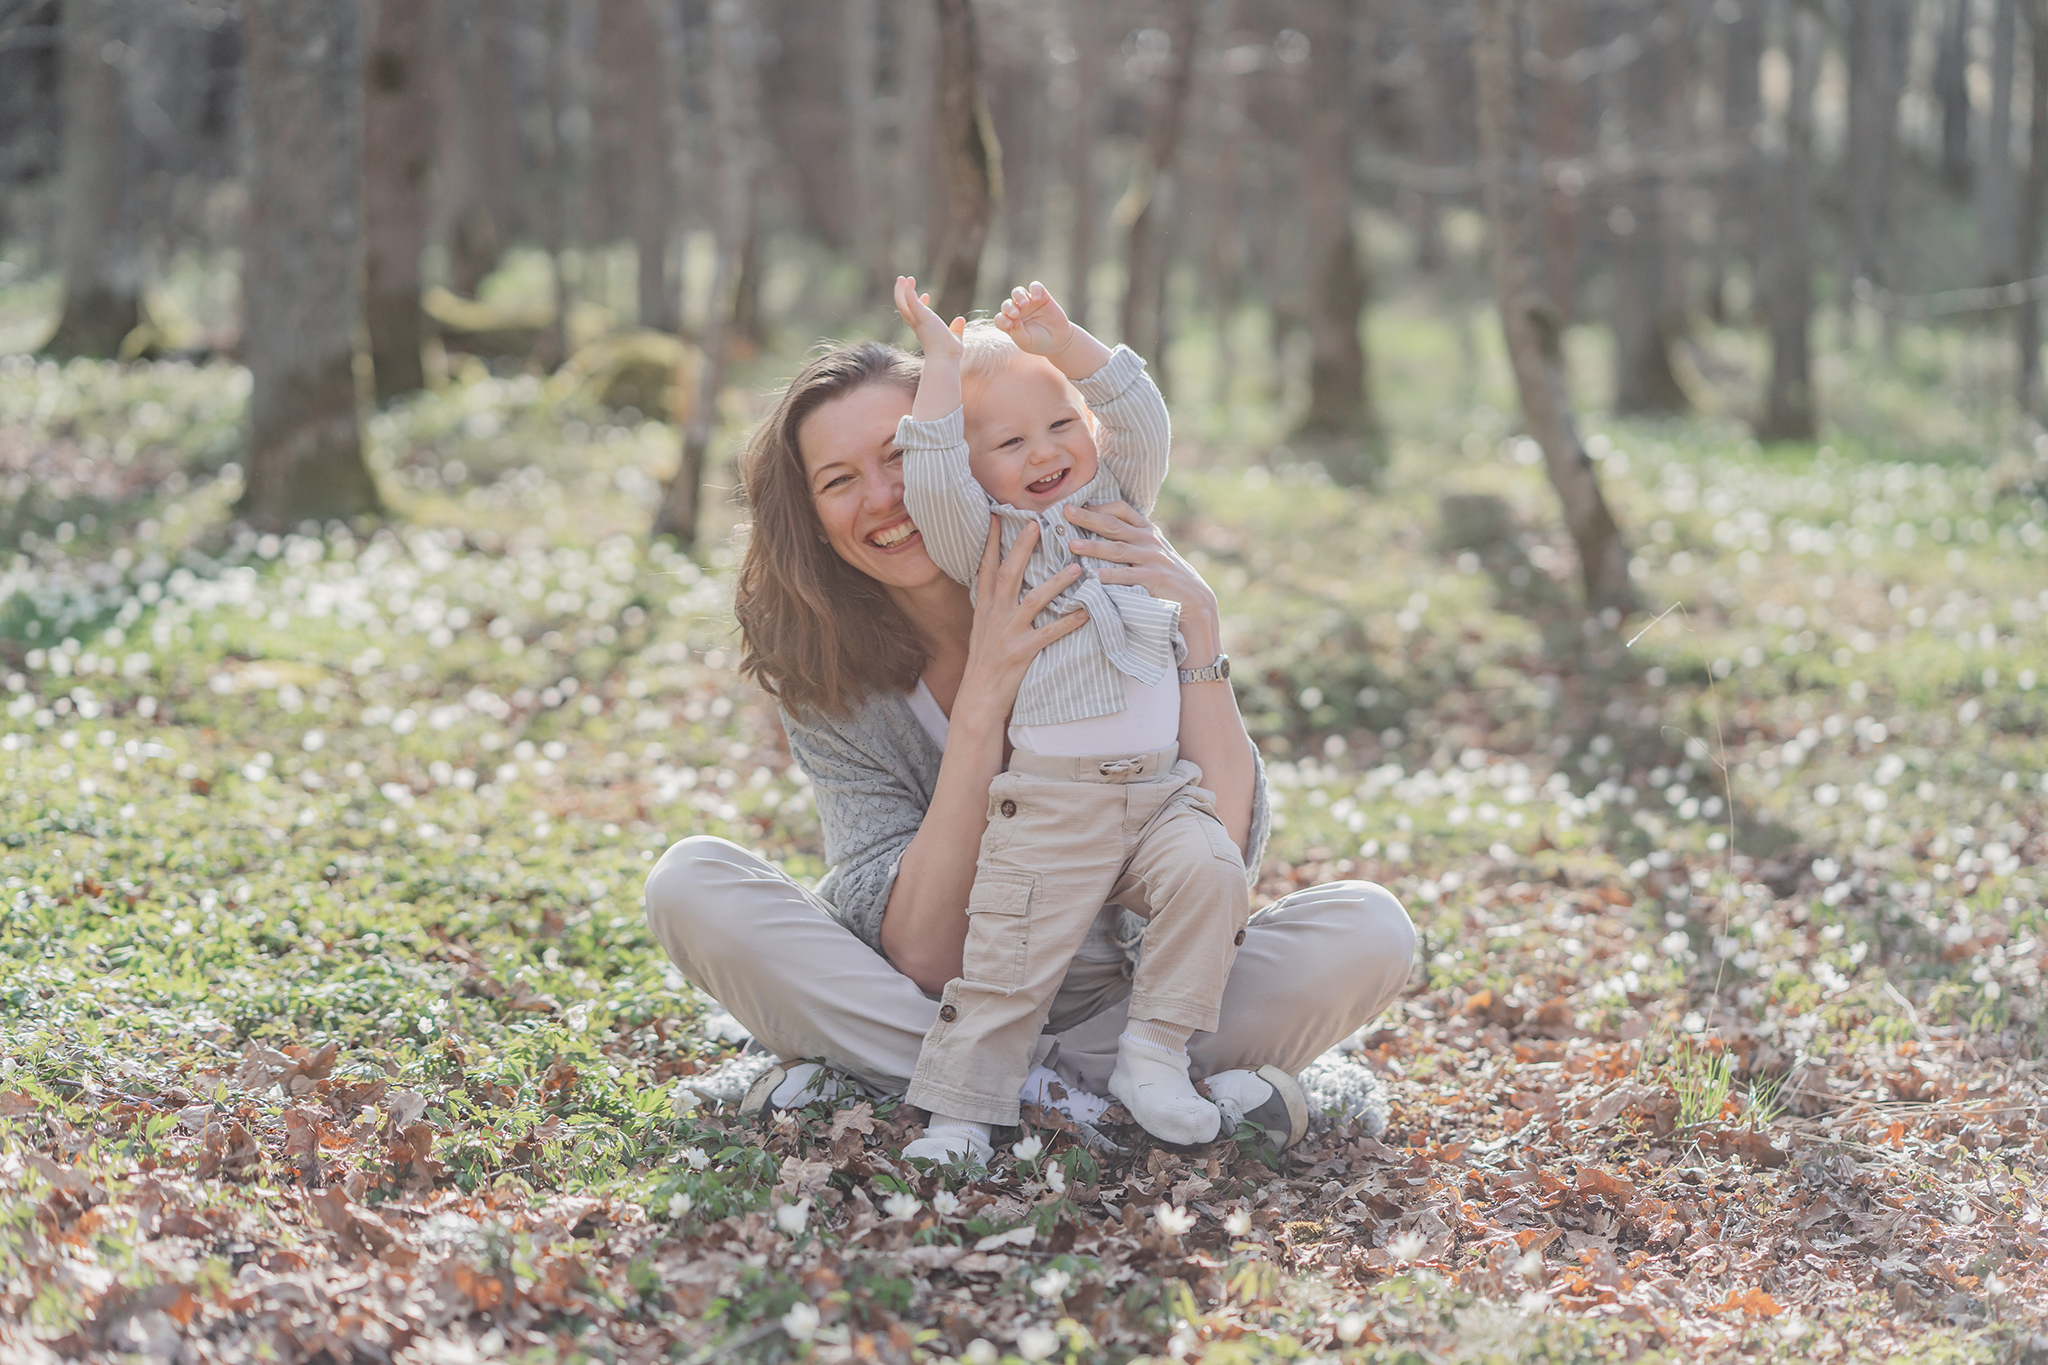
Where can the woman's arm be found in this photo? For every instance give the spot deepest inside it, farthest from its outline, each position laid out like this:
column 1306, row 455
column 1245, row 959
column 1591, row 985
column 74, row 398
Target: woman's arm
column 924, row 927
column 1212, row 734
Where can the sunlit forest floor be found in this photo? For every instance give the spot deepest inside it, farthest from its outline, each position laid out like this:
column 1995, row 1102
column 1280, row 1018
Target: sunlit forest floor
column 329, row 1025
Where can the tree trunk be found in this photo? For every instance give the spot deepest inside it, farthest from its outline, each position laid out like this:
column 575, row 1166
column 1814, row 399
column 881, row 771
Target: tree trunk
column 1952, row 89
column 1877, row 33
column 2027, row 319
column 1735, row 216
column 480, row 156
column 860, row 20
column 102, row 258
column 1533, row 336
column 1561, row 118
column 1646, row 318
column 731, row 75
column 398, row 157
column 655, row 88
column 1146, row 203
column 567, row 136
column 1996, row 247
column 1788, row 242
column 303, row 72
column 670, row 33
column 1081, row 34
column 1338, row 407
column 970, row 162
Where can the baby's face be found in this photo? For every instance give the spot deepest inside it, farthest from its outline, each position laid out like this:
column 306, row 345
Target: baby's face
column 1029, row 439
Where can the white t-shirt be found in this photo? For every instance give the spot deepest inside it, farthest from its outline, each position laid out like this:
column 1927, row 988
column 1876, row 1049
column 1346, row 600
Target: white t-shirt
column 1150, row 720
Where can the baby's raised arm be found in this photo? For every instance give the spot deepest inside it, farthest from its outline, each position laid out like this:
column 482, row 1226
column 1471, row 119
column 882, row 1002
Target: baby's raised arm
column 939, row 489
column 1134, row 434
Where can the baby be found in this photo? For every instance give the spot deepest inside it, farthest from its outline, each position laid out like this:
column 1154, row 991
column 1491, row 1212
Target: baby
column 1094, row 808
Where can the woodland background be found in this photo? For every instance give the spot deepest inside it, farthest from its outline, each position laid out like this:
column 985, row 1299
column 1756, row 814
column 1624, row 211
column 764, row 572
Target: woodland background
column 1613, row 428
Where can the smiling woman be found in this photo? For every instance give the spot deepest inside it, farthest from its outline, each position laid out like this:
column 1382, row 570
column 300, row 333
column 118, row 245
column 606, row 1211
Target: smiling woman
column 897, row 687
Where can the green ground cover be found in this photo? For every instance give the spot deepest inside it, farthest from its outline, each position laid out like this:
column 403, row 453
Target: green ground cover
column 329, row 1022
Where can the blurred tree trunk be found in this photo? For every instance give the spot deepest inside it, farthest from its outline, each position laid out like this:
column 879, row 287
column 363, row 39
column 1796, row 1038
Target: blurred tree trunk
column 970, row 162
column 1995, row 245
column 1560, row 121
column 303, row 72
column 1952, row 89
column 731, row 76
column 1876, row 47
column 1735, row 212
column 1787, row 246
column 860, row 20
column 567, row 134
column 656, row 87
column 670, row 32
column 1082, row 35
column 2027, row 317
column 102, row 258
column 1146, row 204
column 1646, row 318
column 398, row 158
column 1534, row 337
column 480, row 157
column 1339, row 407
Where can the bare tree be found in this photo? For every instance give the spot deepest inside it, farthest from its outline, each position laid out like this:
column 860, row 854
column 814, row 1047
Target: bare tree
column 102, row 258
column 1952, row 89
column 970, row 162
column 2027, row 317
column 1339, row 407
column 656, row 82
column 731, row 75
column 398, row 146
column 1996, row 248
column 1531, row 326
column 1145, row 206
column 1788, row 240
column 1648, row 315
column 1877, row 36
column 1735, row 206
column 860, row 20
column 303, row 68
column 1082, row 36
column 479, row 157
column 1560, row 121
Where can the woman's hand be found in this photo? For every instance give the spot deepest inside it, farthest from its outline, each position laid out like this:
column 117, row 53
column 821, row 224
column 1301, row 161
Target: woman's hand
column 1004, row 641
column 1128, row 549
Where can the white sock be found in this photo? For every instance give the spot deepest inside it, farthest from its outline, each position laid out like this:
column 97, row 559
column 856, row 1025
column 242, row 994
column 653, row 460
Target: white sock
column 949, row 1139
column 1151, row 1078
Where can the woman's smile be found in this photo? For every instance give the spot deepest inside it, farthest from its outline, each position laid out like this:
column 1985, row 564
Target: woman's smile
column 894, row 536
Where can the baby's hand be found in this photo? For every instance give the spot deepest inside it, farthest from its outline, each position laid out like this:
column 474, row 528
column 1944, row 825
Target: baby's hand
column 933, row 335
column 1035, row 321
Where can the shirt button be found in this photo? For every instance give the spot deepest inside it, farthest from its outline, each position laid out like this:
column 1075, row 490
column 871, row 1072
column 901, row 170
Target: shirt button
column 1239, row 940
column 1009, row 808
column 948, row 1013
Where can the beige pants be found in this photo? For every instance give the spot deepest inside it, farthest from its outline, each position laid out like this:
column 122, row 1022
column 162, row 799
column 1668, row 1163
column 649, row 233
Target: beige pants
column 1314, row 968
column 1065, row 837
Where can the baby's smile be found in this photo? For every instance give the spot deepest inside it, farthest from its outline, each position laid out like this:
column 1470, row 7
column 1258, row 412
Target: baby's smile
column 1045, row 487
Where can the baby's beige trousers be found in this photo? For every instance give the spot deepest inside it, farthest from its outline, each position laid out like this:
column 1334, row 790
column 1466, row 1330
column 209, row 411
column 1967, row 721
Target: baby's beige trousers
column 1065, row 837
column 1314, row 968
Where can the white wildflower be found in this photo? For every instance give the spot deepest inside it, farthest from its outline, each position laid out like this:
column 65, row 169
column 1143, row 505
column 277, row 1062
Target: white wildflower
column 981, row 1351
column 1036, row 1343
column 1407, row 1246
column 696, row 1157
column 800, row 1322
column 1029, row 1148
column 945, row 1203
column 1052, row 1284
column 1055, row 1179
column 1350, row 1328
column 1172, row 1221
column 1239, row 1223
column 900, row 1205
column 683, row 1101
column 791, row 1218
column 679, row 1204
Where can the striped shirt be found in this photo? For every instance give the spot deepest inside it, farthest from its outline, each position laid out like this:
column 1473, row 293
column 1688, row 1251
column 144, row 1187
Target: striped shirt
column 1129, row 631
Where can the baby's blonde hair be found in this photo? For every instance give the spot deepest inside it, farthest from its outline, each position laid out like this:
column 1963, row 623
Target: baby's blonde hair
column 986, row 350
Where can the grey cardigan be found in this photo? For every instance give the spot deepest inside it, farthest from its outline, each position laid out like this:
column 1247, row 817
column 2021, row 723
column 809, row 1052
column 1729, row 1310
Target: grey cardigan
column 872, row 775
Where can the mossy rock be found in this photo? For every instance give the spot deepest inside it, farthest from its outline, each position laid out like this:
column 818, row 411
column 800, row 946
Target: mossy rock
column 490, row 330
column 653, row 373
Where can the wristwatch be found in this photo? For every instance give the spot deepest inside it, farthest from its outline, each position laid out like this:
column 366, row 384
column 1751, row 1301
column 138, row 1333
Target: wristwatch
column 1216, row 672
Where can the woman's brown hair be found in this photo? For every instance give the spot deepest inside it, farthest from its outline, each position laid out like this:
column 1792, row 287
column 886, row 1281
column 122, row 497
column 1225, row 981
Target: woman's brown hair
column 816, row 633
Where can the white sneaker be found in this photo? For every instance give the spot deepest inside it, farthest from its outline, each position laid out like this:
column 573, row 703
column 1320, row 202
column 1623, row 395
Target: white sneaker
column 1269, row 1097
column 1044, row 1088
column 950, row 1147
column 792, row 1086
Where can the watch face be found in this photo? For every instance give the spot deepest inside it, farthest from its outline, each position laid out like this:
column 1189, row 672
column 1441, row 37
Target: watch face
column 1223, row 666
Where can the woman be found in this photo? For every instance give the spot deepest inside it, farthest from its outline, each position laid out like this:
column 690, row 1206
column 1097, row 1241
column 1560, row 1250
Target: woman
column 896, row 688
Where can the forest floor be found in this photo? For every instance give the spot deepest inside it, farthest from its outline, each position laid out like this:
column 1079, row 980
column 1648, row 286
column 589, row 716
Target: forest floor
column 330, row 1027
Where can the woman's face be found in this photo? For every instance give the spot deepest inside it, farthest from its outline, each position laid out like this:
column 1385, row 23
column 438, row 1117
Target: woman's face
column 855, row 471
